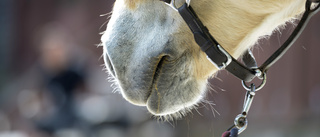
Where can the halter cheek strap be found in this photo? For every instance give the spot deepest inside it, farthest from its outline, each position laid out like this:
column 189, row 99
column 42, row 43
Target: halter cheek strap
column 222, row 59
column 215, row 53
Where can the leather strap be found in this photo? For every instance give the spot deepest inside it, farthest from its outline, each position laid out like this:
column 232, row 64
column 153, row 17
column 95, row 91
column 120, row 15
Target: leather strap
column 222, row 59
column 293, row 37
column 210, row 46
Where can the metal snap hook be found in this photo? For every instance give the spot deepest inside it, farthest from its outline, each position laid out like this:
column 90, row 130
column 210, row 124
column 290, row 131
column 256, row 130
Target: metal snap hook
column 241, row 121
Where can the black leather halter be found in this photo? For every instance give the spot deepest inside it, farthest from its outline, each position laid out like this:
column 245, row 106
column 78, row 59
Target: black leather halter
column 223, row 60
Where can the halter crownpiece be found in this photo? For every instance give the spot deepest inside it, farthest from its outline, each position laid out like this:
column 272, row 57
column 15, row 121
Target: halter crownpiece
column 223, row 60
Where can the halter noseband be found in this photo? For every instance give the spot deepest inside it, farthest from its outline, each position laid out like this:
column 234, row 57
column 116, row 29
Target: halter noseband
column 223, row 60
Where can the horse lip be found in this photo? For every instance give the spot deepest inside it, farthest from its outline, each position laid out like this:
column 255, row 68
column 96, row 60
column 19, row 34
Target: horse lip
column 156, row 74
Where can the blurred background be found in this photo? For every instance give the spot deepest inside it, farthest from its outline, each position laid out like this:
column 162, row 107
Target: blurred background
column 52, row 82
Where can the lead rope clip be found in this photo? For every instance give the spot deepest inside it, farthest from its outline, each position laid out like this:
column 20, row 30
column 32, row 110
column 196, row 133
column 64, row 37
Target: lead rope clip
column 241, row 121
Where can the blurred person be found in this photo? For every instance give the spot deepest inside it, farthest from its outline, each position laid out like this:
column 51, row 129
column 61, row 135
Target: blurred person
column 61, row 93
column 45, row 100
column 62, row 78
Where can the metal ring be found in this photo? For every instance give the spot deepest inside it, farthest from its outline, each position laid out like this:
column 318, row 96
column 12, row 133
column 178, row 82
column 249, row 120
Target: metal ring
column 316, row 7
column 188, row 2
column 173, row 4
column 248, row 88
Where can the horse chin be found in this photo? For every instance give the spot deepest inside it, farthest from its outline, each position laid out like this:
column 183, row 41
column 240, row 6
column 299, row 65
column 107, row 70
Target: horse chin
column 174, row 90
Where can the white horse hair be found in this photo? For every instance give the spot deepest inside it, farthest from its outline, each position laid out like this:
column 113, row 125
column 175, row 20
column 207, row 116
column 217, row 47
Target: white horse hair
column 152, row 56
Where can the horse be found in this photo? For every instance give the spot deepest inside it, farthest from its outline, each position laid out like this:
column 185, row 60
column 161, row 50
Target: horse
column 152, row 57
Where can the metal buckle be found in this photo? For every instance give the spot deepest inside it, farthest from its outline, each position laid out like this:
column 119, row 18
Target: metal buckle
column 172, row 4
column 224, row 64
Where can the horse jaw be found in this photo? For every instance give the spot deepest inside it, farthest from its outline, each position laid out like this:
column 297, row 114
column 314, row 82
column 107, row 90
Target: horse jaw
column 151, row 54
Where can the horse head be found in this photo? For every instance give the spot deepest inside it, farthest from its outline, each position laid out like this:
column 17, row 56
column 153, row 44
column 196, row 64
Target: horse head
column 152, row 56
